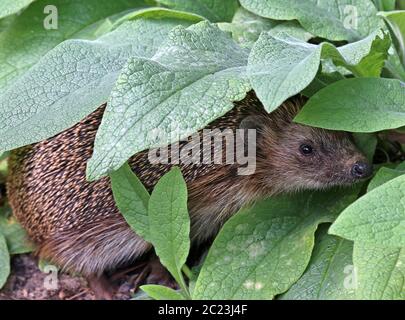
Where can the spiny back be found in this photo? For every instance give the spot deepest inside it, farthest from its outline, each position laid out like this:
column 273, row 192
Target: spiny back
column 48, row 189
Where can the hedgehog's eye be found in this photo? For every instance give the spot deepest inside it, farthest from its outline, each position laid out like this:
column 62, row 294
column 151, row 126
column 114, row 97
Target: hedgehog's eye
column 306, row 149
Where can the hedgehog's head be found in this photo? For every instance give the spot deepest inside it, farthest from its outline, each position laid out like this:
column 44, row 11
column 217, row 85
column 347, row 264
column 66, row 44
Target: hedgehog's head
column 295, row 156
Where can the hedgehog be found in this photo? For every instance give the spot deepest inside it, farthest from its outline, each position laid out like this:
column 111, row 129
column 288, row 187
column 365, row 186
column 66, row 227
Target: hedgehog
column 76, row 224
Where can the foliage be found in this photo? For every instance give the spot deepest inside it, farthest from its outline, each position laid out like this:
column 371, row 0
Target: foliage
column 176, row 66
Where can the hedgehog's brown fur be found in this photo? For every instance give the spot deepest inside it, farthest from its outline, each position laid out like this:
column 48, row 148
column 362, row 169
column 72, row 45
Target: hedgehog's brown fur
column 77, row 225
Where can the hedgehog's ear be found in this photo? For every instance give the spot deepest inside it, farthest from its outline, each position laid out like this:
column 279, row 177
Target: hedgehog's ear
column 252, row 122
column 292, row 106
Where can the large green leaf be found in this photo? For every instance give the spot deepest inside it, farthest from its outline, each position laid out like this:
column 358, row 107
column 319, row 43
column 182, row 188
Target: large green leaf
column 380, row 272
column 321, row 81
column 396, row 23
column 16, row 237
column 4, row 261
column 364, row 105
column 330, row 19
column 9, row 7
column 161, row 293
column 367, row 144
column 213, row 10
column 384, row 175
column 376, row 218
column 280, row 67
column 132, row 199
column 246, row 27
column 169, row 222
column 26, row 40
column 328, row 276
column 385, row 5
column 263, row 250
column 192, row 80
column 72, row 80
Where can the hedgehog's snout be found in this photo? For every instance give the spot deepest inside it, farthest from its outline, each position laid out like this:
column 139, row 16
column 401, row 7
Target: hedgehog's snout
column 361, row 170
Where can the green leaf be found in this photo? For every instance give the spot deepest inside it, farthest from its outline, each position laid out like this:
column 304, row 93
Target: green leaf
column 193, row 79
column 380, row 272
column 382, row 176
column 280, row 67
column 16, row 237
column 213, row 10
column 26, row 40
column 328, row 274
column 159, row 13
column 321, row 81
column 161, row 293
column 73, row 80
column 293, row 29
column 329, row 19
column 6, row 22
column 132, row 199
column 169, row 222
column 383, row 100
column 376, row 218
column 3, row 155
column 4, row 261
column 401, row 166
column 246, row 27
column 262, row 251
column 384, row 5
column 9, row 7
column 367, row 143
column 396, row 23
column 393, row 67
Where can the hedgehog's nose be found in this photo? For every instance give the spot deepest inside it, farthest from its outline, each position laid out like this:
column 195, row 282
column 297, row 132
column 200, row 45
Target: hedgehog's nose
column 361, row 170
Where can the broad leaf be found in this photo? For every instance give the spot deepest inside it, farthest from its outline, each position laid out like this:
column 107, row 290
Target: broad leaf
column 380, row 272
column 385, row 5
column 396, row 24
column 9, row 7
column 364, row 105
column 263, row 250
column 280, row 67
column 330, row 273
column 26, row 40
column 213, row 10
column 293, row 29
column 401, row 166
column 72, row 80
column 382, row 176
column 330, row 19
column 246, row 27
column 132, row 199
column 192, row 79
column 4, row 261
column 321, row 81
column 169, row 222
column 367, row 143
column 161, row 293
column 376, row 218
column 16, row 237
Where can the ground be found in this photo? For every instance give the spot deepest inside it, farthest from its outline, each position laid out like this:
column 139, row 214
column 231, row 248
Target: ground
column 26, row 282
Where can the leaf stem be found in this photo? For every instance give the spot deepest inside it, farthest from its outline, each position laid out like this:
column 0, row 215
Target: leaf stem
column 186, row 270
column 184, row 289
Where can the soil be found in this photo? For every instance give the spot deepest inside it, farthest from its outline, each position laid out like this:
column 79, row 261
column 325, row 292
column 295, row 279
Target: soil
column 26, row 282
